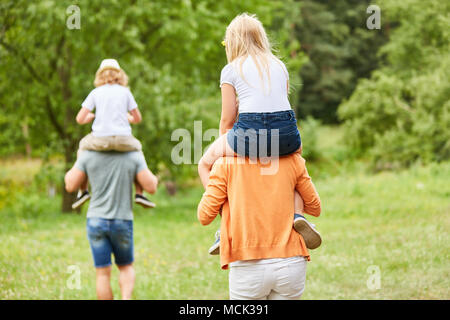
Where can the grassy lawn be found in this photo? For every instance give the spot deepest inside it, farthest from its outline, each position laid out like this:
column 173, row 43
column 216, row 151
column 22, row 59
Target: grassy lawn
column 396, row 223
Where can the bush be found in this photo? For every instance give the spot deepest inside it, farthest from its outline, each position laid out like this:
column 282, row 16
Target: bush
column 32, row 205
column 28, row 187
column 401, row 115
column 309, row 134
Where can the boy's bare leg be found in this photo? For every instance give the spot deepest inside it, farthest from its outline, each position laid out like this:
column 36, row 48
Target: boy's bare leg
column 84, row 185
column 138, row 188
column 298, row 203
column 127, row 277
column 299, row 150
column 140, row 199
column 103, row 277
column 310, row 235
column 83, row 195
column 217, row 149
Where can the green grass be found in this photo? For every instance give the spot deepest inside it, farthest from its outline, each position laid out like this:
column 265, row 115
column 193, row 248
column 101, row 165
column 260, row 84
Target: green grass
column 396, row 221
column 170, row 253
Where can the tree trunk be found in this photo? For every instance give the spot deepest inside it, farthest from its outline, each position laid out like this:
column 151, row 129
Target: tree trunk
column 67, row 200
column 171, row 187
column 26, row 136
column 70, row 143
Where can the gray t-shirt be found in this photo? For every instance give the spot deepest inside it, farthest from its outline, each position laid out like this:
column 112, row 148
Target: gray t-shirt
column 111, row 176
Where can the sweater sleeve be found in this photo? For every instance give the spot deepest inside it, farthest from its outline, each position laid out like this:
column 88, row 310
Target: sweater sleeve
column 306, row 189
column 215, row 194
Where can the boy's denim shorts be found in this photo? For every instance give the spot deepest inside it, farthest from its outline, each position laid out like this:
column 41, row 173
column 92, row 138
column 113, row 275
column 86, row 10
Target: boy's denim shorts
column 110, row 236
column 265, row 134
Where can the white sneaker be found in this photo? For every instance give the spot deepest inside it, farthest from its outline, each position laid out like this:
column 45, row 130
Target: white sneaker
column 143, row 201
column 82, row 198
column 215, row 248
column 308, row 231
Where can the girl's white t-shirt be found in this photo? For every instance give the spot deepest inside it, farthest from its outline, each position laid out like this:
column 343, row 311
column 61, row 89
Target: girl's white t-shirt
column 112, row 102
column 256, row 95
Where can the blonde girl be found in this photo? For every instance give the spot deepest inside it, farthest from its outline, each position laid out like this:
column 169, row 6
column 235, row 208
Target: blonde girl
column 115, row 109
column 266, row 124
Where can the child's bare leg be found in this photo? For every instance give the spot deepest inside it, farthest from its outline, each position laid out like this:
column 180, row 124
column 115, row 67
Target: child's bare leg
column 138, row 187
column 217, row 149
column 298, row 203
column 307, row 230
column 140, row 198
column 83, row 195
column 84, row 185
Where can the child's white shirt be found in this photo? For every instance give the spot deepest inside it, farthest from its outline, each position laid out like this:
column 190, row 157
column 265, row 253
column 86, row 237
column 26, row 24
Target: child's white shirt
column 111, row 103
column 256, row 95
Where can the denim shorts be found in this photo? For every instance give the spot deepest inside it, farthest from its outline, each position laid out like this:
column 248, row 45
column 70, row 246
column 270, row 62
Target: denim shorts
column 265, row 134
column 110, row 236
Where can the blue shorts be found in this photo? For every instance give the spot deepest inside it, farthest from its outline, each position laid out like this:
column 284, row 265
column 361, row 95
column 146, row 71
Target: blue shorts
column 265, row 134
column 110, row 236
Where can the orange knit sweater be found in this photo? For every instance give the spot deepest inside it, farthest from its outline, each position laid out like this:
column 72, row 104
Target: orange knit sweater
column 258, row 207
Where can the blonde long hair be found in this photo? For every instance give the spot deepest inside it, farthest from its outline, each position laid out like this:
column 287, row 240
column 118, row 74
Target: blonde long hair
column 110, row 76
column 245, row 36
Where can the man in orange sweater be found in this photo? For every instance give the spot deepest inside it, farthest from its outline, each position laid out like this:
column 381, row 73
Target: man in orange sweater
column 266, row 255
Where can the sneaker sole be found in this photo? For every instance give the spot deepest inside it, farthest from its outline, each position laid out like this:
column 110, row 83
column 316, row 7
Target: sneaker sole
column 145, row 204
column 215, row 249
column 80, row 202
column 312, row 238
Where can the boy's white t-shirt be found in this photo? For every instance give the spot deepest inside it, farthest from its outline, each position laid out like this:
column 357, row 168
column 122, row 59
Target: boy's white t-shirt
column 256, row 95
column 111, row 103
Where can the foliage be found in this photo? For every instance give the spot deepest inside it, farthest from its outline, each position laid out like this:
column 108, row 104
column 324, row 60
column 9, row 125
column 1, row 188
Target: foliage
column 340, row 50
column 308, row 129
column 402, row 113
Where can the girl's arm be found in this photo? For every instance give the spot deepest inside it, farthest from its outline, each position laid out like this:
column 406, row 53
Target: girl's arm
column 85, row 116
column 220, row 146
column 135, row 116
column 229, row 108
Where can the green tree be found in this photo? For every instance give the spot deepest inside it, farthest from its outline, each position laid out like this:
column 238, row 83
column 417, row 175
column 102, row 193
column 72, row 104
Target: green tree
column 402, row 113
column 340, row 50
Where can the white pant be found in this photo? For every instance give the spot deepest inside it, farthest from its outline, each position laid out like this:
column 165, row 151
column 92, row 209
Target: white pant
column 268, row 279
